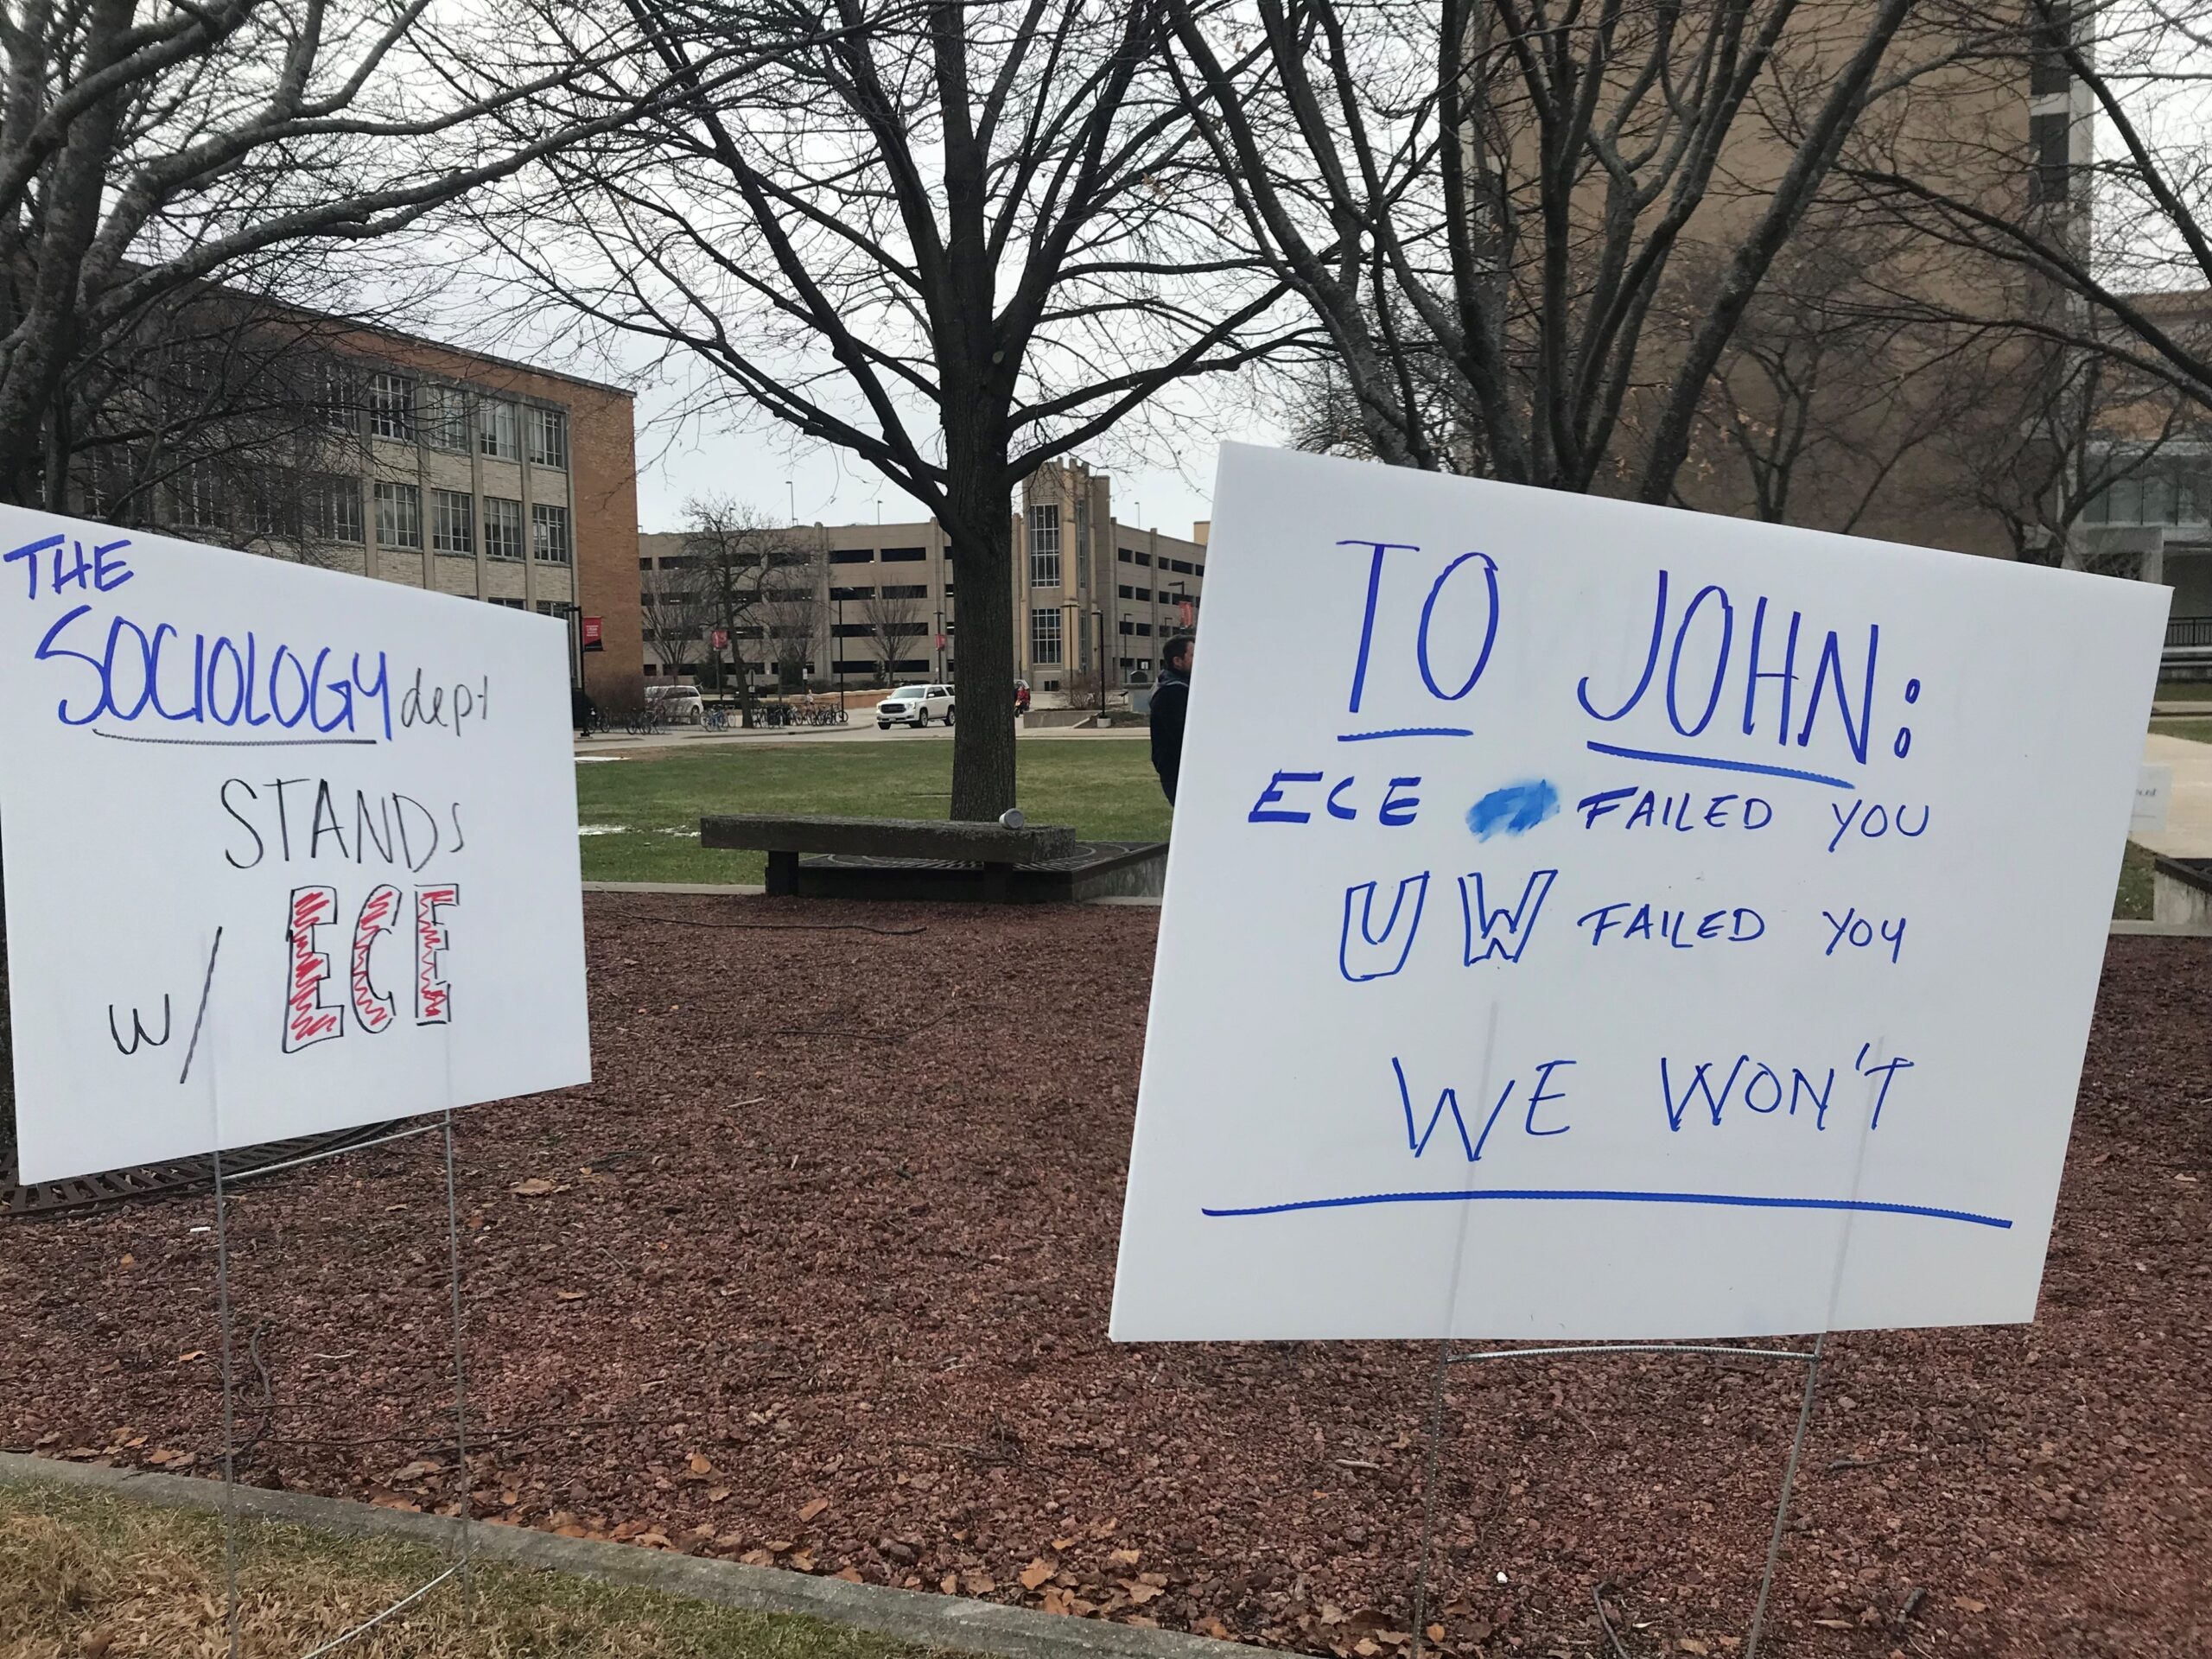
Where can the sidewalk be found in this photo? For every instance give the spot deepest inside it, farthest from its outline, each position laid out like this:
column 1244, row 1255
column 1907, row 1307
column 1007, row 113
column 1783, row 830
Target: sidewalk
column 2188, row 833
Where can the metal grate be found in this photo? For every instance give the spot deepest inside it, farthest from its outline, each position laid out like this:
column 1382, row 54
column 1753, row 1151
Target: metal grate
column 179, row 1175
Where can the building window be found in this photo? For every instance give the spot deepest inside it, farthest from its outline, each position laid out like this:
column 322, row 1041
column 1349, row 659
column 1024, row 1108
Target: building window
column 453, row 521
column 905, row 555
column 517, row 605
column 1128, row 626
column 1045, row 554
column 549, row 438
column 337, row 399
column 2050, row 137
column 392, row 407
column 335, row 507
column 2171, row 494
column 199, row 499
column 852, row 556
column 502, row 528
column 1144, row 630
column 1145, row 559
column 443, row 413
column 1145, row 593
column 852, row 593
column 552, row 608
column 1127, row 592
column 2049, row 72
column 910, row 590
column 399, row 515
column 548, row 533
column 495, row 429
column 1045, row 633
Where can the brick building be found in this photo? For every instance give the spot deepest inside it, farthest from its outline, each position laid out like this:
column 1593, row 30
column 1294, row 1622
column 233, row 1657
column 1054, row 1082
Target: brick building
column 412, row 462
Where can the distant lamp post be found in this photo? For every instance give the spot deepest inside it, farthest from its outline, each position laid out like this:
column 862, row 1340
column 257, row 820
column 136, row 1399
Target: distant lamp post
column 1098, row 615
column 1071, row 632
column 940, row 643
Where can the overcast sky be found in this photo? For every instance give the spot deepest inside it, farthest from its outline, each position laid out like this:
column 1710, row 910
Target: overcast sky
column 1163, row 476
column 762, row 464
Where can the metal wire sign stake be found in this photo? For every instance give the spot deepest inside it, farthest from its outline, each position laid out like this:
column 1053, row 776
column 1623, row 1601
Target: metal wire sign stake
column 233, row 1608
column 1809, row 1358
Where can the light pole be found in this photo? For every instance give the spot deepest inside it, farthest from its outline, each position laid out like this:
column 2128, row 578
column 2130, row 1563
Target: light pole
column 940, row 642
column 1099, row 614
column 837, row 649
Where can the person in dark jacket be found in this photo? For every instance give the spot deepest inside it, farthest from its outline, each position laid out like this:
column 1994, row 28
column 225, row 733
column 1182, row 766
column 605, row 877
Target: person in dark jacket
column 1169, row 704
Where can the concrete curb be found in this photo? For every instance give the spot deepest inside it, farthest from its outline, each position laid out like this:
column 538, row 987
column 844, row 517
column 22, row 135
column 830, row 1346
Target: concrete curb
column 913, row 1616
column 2121, row 930
column 704, row 889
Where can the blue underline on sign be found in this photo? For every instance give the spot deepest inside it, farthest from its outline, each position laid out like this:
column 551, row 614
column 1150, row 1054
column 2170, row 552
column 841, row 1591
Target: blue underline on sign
column 1708, row 761
column 1732, row 1200
column 240, row 742
column 1405, row 731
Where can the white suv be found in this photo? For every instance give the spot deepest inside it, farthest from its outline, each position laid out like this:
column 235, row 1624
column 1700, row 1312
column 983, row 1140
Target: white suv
column 678, row 703
column 914, row 705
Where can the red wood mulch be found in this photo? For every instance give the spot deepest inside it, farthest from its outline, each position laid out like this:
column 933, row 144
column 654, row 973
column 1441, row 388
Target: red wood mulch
column 818, row 1273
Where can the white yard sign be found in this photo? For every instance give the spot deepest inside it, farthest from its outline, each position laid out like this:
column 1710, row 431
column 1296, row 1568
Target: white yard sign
column 286, row 850
column 1588, row 920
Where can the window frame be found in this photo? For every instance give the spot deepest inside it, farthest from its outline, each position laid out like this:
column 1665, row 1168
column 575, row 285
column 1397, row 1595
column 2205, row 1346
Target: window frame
column 546, row 517
column 1043, row 541
column 487, row 521
column 1048, row 639
column 389, row 404
column 444, row 537
column 548, row 436
column 400, row 495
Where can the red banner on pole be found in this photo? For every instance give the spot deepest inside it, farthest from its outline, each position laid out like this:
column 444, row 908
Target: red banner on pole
column 591, row 629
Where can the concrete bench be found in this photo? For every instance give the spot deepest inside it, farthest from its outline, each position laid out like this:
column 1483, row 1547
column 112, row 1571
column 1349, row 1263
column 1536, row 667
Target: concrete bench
column 784, row 837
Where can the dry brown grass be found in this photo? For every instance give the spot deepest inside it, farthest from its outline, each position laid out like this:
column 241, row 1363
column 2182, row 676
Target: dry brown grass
column 86, row 1577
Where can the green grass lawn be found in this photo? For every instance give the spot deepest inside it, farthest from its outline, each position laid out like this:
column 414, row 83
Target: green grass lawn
column 2133, row 901
column 645, row 810
column 92, row 1575
column 2196, row 731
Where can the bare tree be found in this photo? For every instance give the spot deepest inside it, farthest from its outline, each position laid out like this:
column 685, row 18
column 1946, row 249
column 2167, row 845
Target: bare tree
column 893, row 622
column 2038, row 458
column 791, row 606
column 1485, row 206
column 146, row 149
column 1833, row 382
column 747, row 563
column 956, row 240
column 679, row 611
column 2113, row 238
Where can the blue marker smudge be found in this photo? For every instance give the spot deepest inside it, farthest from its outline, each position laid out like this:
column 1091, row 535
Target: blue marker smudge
column 1511, row 810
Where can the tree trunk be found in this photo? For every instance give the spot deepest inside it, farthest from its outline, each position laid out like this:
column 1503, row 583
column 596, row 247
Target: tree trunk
column 982, row 738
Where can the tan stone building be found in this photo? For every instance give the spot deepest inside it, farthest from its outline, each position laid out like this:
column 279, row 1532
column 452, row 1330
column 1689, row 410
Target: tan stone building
column 1080, row 578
